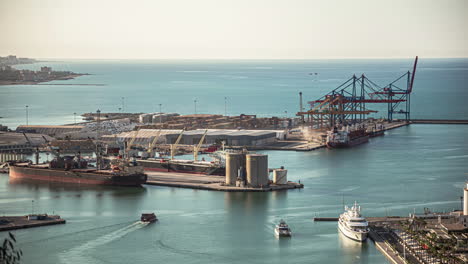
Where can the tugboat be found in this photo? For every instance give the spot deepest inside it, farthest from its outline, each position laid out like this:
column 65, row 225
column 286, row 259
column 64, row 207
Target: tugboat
column 148, row 218
column 282, row 229
column 352, row 224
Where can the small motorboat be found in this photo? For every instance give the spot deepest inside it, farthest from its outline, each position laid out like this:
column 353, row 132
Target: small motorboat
column 148, row 218
column 282, row 229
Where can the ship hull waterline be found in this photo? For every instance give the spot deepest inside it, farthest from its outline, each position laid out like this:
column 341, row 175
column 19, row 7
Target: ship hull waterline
column 149, row 165
column 53, row 175
column 354, row 142
column 356, row 236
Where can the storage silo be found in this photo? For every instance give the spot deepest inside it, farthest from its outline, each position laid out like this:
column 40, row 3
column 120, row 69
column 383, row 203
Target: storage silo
column 257, row 170
column 280, row 176
column 234, row 161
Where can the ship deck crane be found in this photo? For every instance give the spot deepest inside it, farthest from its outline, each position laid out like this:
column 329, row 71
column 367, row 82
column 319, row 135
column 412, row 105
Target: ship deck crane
column 174, row 146
column 155, row 140
column 130, row 145
column 197, row 147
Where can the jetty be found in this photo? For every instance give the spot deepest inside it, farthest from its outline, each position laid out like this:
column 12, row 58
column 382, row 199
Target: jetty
column 209, row 182
column 35, row 220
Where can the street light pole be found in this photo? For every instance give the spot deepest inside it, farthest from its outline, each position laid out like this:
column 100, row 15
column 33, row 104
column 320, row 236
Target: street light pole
column 195, row 102
column 27, row 115
column 160, row 115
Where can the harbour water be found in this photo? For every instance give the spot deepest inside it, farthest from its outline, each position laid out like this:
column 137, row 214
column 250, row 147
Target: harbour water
column 408, row 169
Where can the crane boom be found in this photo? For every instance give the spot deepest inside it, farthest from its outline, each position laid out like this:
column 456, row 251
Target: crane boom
column 130, row 145
column 174, row 146
column 27, row 139
column 197, row 147
column 412, row 74
column 151, row 146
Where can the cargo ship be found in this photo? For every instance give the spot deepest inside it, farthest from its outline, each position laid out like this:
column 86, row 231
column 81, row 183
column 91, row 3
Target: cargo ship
column 215, row 167
column 376, row 130
column 183, row 166
column 348, row 136
column 66, row 170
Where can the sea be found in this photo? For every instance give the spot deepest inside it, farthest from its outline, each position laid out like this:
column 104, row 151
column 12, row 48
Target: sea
column 407, row 170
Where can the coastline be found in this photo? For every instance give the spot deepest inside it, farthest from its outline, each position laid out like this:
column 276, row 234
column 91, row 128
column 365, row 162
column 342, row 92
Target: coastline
column 67, row 77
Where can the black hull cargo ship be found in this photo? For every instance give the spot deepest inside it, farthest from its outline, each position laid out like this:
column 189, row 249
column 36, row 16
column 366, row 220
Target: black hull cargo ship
column 120, row 173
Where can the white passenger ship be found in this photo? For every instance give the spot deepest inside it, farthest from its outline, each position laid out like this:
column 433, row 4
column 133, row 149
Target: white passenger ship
column 352, row 224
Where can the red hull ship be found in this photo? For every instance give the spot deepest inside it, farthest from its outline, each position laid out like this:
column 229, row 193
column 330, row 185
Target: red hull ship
column 69, row 172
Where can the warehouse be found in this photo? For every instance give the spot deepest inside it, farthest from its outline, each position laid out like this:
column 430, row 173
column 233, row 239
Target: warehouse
column 214, row 136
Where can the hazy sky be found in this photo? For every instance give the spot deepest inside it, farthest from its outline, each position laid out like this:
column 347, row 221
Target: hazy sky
column 240, row 29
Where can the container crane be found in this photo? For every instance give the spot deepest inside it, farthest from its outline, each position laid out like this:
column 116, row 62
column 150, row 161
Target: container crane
column 347, row 102
column 197, row 147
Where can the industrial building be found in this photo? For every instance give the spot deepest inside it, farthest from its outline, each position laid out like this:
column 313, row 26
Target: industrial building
column 52, row 131
column 232, row 137
column 11, row 142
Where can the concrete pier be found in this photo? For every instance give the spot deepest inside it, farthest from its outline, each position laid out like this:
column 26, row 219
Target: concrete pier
column 20, row 222
column 208, row 182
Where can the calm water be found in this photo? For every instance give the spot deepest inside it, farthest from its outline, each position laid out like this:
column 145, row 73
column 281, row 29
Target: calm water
column 408, row 169
column 265, row 88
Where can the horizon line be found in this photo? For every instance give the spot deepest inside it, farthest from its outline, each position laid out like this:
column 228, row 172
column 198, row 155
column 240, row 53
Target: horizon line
column 245, row 59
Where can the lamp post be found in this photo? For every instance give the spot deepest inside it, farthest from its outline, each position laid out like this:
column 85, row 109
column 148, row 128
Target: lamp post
column 160, row 115
column 27, row 115
column 195, row 103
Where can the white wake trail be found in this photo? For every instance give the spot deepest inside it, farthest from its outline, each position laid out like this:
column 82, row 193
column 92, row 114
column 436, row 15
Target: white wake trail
column 79, row 254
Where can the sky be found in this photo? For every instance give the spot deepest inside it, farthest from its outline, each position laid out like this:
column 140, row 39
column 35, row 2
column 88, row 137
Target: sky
column 233, row 29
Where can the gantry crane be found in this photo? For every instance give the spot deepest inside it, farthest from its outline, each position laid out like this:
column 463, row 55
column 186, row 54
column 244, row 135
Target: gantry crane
column 347, row 102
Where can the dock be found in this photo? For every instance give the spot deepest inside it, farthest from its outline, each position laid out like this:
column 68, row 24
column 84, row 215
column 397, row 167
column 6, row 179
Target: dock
column 325, row 219
column 381, row 237
column 440, row 121
column 19, row 222
column 208, row 182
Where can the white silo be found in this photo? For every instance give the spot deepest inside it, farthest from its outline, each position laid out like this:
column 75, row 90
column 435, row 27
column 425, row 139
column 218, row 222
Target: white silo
column 280, row 176
column 233, row 162
column 257, row 170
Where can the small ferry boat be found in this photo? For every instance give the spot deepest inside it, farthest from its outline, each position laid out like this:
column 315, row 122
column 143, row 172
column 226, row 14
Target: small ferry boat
column 352, row 224
column 282, row 229
column 148, row 218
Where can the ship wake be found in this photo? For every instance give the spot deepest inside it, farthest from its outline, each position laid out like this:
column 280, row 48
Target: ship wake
column 80, row 254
